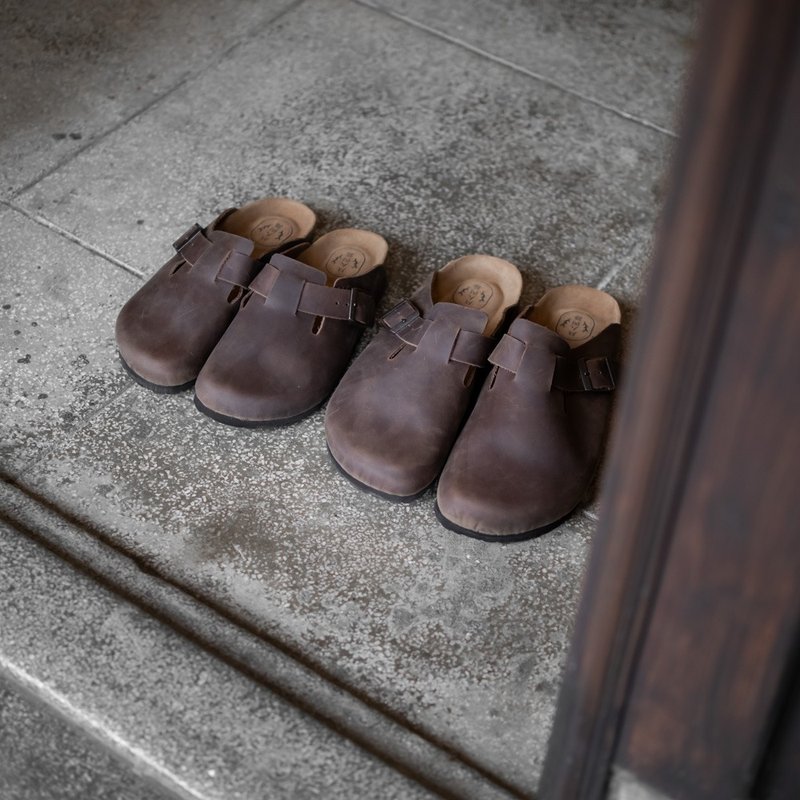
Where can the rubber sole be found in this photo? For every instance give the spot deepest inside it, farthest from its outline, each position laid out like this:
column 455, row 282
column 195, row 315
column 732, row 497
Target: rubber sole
column 502, row 539
column 155, row 387
column 394, row 498
column 250, row 423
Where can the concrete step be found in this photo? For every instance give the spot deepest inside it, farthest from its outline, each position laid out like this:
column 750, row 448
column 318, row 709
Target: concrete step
column 44, row 757
column 177, row 716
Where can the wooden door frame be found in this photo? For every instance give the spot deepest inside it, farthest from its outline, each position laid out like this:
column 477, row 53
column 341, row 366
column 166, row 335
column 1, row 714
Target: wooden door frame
column 734, row 102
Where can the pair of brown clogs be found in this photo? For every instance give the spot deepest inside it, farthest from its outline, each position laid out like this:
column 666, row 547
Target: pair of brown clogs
column 266, row 322
column 259, row 319
column 527, row 452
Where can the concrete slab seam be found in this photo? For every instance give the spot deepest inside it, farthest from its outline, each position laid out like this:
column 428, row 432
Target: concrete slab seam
column 103, row 135
column 251, row 34
column 57, row 229
column 81, row 424
column 517, row 68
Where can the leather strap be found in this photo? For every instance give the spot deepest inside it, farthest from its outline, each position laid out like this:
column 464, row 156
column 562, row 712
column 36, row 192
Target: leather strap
column 335, row 302
column 318, row 300
column 594, row 374
column 405, row 322
column 508, row 353
column 235, row 268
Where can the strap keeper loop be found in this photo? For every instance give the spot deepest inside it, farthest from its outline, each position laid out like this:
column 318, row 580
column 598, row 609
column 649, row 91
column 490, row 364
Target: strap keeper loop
column 187, row 237
column 352, row 304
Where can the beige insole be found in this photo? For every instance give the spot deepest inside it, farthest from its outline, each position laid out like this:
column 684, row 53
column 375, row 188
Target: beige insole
column 484, row 282
column 576, row 313
column 271, row 223
column 345, row 253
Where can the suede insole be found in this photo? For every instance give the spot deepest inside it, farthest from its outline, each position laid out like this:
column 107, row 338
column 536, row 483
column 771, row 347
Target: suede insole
column 484, row 282
column 270, row 223
column 576, row 313
column 345, row 253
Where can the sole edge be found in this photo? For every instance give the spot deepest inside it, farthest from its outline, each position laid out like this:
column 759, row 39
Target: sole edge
column 393, row 498
column 236, row 422
column 154, row 387
column 498, row 538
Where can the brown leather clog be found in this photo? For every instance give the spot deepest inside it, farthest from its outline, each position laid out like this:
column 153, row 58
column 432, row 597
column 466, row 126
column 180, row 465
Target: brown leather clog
column 529, row 449
column 394, row 416
column 167, row 329
column 291, row 341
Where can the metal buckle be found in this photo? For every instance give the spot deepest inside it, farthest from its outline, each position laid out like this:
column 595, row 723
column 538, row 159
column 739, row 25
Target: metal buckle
column 187, row 237
column 351, row 305
column 604, row 369
column 397, row 319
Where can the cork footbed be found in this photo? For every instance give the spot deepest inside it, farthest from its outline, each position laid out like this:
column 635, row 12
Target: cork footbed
column 576, row 313
column 345, row 253
column 485, row 282
column 270, row 223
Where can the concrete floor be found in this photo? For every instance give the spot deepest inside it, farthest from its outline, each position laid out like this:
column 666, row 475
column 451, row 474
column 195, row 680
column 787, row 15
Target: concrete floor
column 349, row 646
column 46, row 759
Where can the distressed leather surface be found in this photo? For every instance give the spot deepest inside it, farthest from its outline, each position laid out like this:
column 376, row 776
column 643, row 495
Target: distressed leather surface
column 289, row 344
column 396, row 413
column 166, row 331
column 529, row 449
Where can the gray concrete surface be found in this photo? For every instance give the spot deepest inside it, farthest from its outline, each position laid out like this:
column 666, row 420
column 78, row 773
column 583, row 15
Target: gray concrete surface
column 462, row 639
column 45, row 758
column 440, row 149
column 628, row 55
column 69, row 78
column 439, row 129
column 57, row 310
column 269, row 663
column 187, row 721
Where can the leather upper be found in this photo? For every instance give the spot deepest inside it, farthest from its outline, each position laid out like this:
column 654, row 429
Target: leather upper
column 529, row 449
column 394, row 416
column 290, row 342
column 167, row 329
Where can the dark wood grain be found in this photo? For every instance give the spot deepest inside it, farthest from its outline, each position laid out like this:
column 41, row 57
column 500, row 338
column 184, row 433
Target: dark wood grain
column 671, row 405
column 780, row 776
column 722, row 631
